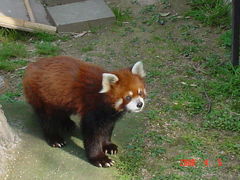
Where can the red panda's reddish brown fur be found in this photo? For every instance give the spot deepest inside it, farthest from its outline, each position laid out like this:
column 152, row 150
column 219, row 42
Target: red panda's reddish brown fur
column 59, row 86
column 47, row 82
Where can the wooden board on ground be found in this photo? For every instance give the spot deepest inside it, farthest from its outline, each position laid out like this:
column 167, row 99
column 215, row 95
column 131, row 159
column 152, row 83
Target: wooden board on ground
column 14, row 23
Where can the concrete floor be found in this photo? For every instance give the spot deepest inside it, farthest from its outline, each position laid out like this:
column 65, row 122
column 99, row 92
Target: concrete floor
column 34, row 159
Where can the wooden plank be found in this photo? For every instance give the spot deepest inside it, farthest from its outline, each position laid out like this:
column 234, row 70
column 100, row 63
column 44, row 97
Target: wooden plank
column 24, row 25
column 29, row 10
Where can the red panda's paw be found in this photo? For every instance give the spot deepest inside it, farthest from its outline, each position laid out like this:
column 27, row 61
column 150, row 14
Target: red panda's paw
column 102, row 161
column 57, row 142
column 110, row 149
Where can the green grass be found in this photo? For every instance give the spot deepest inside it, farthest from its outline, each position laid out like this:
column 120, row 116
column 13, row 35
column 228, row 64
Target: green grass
column 87, row 49
column 42, row 36
column 223, row 119
column 210, row 12
column 46, row 37
column 10, row 96
column 12, row 50
column 132, row 159
column 232, row 146
column 225, row 39
column 215, row 97
column 189, row 50
column 121, row 15
column 148, row 9
column 47, row 48
column 7, row 35
column 151, row 15
column 11, row 65
column 190, row 101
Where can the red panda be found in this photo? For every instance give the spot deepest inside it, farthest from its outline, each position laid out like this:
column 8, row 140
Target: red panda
column 57, row 87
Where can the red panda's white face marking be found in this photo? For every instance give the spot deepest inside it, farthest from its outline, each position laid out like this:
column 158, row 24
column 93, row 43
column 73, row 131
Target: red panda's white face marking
column 131, row 101
column 144, row 91
column 135, row 105
column 125, row 88
column 130, row 93
column 118, row 103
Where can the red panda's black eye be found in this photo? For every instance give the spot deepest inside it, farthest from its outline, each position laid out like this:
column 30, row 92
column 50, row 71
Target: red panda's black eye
column 128, row 98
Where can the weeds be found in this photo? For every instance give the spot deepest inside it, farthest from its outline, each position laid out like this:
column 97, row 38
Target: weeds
column 46, row 37
column 189, row 101
column 209, row 12
column 152, row 16
column 11, row 65
column 41, row 36
column 7, row 35
column 121, row 15
column 225, row 39
column 12, row 50
column 47, row 48
column 133, row 159
column 148, row 9
column 9, row 96
column 223, row 119
column 86, row 49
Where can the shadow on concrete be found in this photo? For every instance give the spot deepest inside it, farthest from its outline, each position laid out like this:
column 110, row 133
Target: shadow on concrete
column 37, row 160
column 22, row 118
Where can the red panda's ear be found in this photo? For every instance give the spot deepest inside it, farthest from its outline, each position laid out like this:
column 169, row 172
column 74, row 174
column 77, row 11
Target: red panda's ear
column 138, row 69
column 107, row 80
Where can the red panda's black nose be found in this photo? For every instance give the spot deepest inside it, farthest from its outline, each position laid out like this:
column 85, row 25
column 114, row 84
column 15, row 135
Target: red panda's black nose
column 139, row 105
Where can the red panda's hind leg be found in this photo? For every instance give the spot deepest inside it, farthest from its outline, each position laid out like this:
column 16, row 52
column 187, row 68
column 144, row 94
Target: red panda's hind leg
column 67, row 124
column 53, row 123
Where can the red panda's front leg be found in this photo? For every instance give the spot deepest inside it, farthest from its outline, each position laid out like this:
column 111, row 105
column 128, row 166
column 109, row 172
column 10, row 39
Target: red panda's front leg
column 107, row 145
column 94, row 133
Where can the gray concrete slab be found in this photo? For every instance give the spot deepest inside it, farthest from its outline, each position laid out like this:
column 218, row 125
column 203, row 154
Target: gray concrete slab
column 13, row 8
column 35, row 160
column 17, row 9
column 59, row 2
column 39, row 12
column 76, row 17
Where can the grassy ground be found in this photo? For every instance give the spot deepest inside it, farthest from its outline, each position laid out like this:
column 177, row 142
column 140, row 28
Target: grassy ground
column 193, row 109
